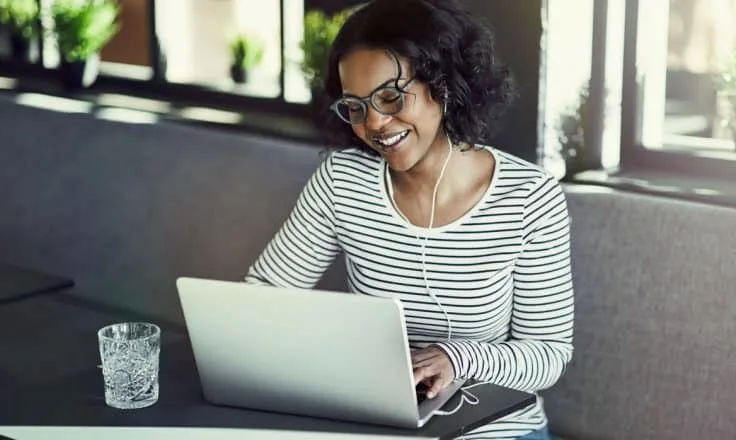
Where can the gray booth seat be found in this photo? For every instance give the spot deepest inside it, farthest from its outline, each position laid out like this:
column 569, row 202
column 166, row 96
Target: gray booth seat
column 125, row 209
column 655, row 333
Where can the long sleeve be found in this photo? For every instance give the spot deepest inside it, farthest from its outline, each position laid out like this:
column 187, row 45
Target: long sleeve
column 539, row 345
column 306, row 245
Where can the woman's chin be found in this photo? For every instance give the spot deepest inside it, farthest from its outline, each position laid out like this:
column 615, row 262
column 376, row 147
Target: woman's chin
column 402, row 164
column 397, row 156
column 398, row 163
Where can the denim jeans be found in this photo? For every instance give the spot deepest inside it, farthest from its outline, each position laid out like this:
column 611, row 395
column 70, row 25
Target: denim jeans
column 540, row 434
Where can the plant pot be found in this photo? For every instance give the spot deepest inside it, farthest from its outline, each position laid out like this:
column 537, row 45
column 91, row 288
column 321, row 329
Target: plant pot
column 238, row 74
column 20, row 48
column 77, row 75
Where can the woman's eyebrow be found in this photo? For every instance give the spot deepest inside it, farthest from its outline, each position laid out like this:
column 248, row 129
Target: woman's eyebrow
column 380, row 86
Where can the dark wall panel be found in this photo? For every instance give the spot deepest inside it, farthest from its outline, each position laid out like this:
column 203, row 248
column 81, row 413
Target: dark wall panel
column 518, row 28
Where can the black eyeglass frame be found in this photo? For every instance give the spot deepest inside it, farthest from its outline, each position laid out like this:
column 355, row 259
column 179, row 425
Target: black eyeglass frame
column 369, row 99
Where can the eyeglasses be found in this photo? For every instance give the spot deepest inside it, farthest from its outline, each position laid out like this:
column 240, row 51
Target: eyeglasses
column 386, row 100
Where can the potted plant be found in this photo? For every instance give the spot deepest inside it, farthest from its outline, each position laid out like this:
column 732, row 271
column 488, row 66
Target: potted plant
column 320, row 31
column 82, row 28
column 726, row 96
column 246, row 52
column 20, row 18
column 572, row 135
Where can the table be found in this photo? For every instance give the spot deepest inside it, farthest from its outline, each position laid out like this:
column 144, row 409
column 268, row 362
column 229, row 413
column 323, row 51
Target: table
column 138, row 433
column 17, row 282
column 49, row 377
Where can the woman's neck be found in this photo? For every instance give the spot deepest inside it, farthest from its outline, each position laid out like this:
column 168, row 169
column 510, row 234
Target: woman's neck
column 422, row 178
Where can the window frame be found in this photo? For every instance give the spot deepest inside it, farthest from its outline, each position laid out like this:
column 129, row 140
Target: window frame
column 635, row 156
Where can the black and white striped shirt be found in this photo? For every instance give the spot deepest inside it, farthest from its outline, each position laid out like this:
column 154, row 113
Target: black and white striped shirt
column 501, row 272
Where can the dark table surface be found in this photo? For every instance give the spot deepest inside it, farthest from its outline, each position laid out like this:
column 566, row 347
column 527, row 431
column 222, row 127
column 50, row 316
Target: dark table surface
column 18, row 282
column 49, row 376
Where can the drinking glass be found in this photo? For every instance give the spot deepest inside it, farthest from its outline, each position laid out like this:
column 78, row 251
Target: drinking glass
column 130, row 362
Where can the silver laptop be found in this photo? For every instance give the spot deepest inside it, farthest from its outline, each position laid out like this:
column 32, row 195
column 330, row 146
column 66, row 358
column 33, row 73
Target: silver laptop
column 326, row 354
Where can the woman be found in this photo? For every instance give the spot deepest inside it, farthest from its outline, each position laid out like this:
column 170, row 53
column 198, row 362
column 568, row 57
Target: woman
column 472, row 240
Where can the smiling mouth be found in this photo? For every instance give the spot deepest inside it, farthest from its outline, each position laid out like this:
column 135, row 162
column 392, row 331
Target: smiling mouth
column 391, row 141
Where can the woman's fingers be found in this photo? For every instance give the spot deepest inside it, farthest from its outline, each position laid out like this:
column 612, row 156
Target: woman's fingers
column 432, row 366
column 421, row 374
column 434, row 376
column 438, row 384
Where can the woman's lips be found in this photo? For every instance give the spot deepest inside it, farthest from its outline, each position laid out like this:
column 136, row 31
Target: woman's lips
column 391, row 143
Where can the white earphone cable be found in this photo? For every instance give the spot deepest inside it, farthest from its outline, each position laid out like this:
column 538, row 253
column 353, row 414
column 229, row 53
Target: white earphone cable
column 424, row 242
column 465, row 395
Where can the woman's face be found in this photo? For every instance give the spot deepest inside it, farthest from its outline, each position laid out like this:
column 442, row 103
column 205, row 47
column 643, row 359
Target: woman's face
column 403, row 138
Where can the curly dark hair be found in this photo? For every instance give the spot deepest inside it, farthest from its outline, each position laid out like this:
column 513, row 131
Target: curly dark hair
column 448, row 49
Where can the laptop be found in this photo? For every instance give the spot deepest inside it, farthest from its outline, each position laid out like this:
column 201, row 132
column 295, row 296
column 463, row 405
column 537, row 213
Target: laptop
column 325, row 354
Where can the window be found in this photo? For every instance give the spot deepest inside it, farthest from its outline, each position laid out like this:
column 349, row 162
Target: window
column 566, row 71
column 181, row 49
column 195, row 41
column 679, row 55
column 584, row 57
column 295, row 86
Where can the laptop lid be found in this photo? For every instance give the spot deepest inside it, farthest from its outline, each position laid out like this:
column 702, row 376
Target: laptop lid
column 326, row 354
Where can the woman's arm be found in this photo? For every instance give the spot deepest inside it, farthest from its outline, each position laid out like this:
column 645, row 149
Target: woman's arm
column 306, row 245
column 541, row 331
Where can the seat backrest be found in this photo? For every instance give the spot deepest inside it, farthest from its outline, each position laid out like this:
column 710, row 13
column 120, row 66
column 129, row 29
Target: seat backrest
column 125, row 209
column 655, row 333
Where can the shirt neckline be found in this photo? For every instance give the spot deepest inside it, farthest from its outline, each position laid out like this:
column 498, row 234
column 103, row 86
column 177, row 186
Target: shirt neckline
column 386, row 188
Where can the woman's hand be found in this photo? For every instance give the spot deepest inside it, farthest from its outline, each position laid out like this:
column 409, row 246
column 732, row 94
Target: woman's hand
column 433, row 367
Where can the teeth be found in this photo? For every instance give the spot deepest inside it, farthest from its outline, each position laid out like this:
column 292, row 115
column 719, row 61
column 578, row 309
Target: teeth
column 392, row 140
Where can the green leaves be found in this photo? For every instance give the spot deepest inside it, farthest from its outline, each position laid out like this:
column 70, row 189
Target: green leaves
column 320, row 31
column 726, row 78
column 246, row 51
column 83, row 27
column 725, row 84
column 20, row 16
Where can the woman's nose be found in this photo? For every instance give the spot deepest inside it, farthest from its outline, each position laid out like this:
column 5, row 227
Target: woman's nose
column 375, row 120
